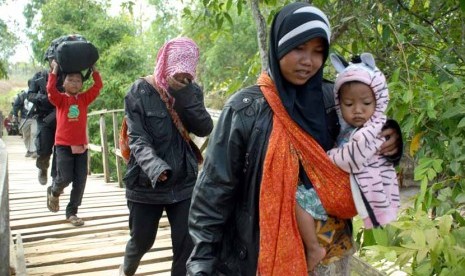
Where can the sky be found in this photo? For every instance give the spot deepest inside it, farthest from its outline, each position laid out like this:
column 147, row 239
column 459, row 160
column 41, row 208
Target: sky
column 12, row 14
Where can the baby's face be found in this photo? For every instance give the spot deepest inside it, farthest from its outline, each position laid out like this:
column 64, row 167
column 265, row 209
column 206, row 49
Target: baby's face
column 357, row 103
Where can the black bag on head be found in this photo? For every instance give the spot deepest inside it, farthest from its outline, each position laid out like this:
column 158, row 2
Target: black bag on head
column 73, row 53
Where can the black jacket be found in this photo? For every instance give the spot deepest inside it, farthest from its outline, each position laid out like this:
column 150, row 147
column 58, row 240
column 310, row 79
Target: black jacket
column 156, row 144
column 223, row 220
column 37, row 94
column 19, row 105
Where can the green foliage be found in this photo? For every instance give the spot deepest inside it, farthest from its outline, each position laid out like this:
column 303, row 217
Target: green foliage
column 418, row 244
column 8, row 40
column 61, row 17
column 229, row 58
column 3, row 70
column 31, row 10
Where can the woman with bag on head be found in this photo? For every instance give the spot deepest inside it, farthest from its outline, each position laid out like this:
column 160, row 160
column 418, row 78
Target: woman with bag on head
column 161, row 110
column 270, row 137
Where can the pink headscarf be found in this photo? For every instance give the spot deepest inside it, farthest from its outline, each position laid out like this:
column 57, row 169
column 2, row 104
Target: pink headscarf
column 179, row 55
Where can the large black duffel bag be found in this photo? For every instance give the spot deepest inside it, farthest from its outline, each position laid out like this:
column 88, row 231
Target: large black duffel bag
column 73, row 53
column 76, row 56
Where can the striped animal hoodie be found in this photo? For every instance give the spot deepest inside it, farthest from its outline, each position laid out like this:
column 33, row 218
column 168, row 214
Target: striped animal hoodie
column 373, row 178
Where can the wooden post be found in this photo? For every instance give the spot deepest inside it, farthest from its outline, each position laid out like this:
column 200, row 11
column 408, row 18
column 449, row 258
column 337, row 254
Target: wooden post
column 20, row 260
column 5, row 233
column 119, row 168
column 104, row 141
column 89, row 172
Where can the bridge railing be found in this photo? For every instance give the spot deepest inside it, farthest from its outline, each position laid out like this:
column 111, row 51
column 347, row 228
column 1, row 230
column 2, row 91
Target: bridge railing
column 11, row 256
column 109, row 150
column 4, row 213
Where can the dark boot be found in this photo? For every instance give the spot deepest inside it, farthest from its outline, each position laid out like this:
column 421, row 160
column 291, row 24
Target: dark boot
column 43, row 176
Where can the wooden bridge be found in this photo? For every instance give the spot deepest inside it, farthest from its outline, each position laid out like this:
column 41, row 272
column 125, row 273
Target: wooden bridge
column 44, row 243
column 52, row 246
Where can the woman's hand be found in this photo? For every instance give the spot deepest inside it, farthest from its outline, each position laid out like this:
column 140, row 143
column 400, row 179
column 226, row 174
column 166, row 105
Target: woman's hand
column 391, row 146
column 177, row 84
column 163, row 176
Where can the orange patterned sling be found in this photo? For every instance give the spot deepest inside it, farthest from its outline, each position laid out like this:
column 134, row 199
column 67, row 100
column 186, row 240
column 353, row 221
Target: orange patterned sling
column 280, row 241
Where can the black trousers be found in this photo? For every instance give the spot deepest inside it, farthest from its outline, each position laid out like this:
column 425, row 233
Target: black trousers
column 143, row 225
column 44, row 144
column 70, row 168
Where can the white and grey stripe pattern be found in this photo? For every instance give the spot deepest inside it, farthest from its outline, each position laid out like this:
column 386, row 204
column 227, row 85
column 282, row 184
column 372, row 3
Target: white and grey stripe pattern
column 322, row 23
column 307, row 22
column 374, row 175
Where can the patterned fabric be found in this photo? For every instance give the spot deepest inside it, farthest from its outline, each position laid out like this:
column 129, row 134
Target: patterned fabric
column 281, row 248
column 310, row 202
column 374, row 175
column 179, row 55
column 335, row 235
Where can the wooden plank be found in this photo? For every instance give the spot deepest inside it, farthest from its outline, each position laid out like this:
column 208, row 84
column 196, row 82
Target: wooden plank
column 357, row 265
column 57, row 218
column 91, row 242
column 94, row 147
column 158, row 268
column 26, row 232
column 38, row 214
column 85, row 255
column 101, row 264
column 20, row 260
column 54, row 247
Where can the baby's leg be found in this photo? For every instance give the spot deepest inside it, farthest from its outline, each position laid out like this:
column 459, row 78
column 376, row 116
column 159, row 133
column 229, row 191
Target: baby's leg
column 306, row 223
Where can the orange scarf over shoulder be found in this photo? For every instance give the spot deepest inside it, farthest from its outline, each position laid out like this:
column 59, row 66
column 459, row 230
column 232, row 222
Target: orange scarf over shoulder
column 281, row 247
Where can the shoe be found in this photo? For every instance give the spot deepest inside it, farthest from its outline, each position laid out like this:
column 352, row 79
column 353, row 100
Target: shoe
column 53, row 202
column 43, row 176
column 28, row 154
column 75, row 220
column 34, row 155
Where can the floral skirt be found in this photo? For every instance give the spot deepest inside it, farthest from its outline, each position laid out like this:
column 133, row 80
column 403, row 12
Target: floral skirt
column 310, row 202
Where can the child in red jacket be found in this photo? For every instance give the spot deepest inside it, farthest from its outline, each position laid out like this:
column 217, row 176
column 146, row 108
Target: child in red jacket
column 70, row 138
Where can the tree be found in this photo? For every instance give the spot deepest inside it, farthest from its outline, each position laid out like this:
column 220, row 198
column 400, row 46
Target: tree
column 7, row 43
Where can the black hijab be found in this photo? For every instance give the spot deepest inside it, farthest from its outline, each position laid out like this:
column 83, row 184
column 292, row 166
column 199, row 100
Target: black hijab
column 292, row 26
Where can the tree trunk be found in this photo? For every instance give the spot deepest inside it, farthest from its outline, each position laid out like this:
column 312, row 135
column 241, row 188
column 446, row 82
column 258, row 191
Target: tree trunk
column 260, row 23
